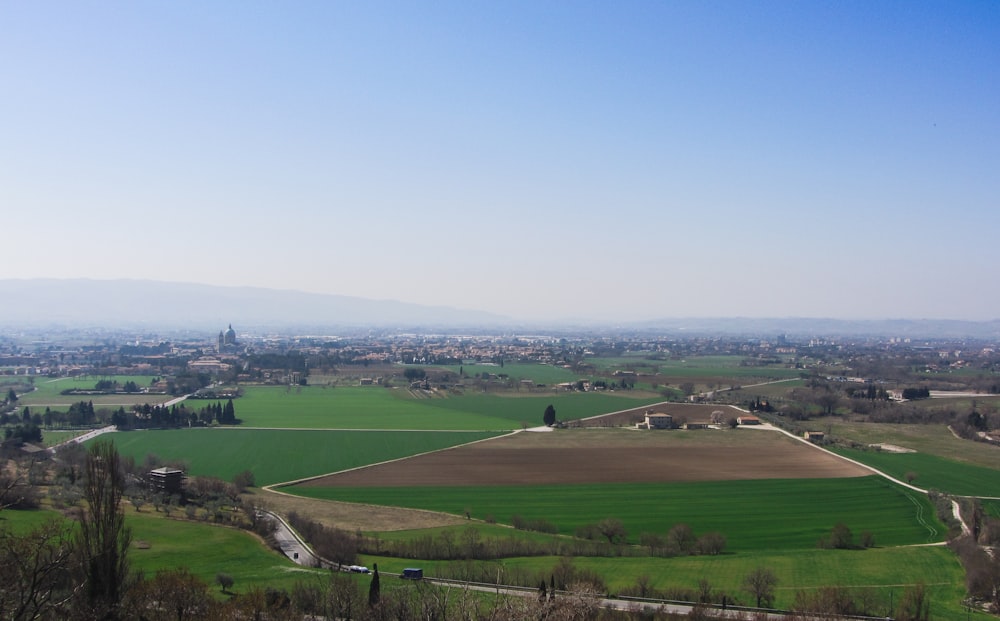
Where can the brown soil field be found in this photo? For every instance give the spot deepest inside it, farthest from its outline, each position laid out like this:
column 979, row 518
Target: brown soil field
column 606, row 456
column 353, row 516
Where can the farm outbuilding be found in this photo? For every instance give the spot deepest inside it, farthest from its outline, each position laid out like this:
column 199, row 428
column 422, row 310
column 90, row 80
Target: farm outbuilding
column 748, row 420
column 166, row 479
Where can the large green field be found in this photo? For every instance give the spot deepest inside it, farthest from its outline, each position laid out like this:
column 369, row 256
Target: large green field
column 932, row 472
column 276, row 456
column 374, row 407
column 753, row 515
column 368, row 407
column 47, row 392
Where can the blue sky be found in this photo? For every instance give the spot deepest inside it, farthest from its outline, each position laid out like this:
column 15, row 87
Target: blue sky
column 542, row 160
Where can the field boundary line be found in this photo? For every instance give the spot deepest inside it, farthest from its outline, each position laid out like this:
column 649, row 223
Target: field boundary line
column 274, row 487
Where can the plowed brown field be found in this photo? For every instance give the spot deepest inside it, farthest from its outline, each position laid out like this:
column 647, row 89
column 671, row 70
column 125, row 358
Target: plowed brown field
column 606, row 456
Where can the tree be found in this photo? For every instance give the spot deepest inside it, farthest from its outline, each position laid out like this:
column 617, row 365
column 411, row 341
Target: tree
column 915, row 604
column 224, row 580
column 374, row 589
column 613, row 530
column 712, row 543
column 414, row 373
column 681, row 539
column 172, row 594
column 549, row 417
column 243, row 480
column 32, row 571
column 760, row 584
column 103, row 539
column 841, row 537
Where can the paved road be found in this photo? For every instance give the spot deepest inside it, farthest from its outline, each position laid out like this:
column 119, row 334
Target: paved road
column 290, row 544
column 84, row 437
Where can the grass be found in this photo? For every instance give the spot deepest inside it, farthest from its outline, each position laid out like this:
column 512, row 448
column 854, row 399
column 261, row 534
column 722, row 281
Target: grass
column 717, row 369
column 753, row 515
column 277, row 456
column 539, row 373
column 883, row 574
column 529, row 409
column 374, row 407
column 51, row 438
column 932, row 472
column 884, row 571
column 47, row 392
column 932, row 439
column 206, row 550
column 355, row 407
column 160, row 543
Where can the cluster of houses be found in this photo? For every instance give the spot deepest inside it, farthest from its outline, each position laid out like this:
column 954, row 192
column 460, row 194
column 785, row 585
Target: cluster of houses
column 660, row 420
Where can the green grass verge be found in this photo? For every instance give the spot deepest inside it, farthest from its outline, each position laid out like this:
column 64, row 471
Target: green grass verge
column 277, row 456
column 753, row 515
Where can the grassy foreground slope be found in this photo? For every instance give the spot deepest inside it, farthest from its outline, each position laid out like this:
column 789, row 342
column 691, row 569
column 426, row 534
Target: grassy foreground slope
column 160, row 543
column 276, row 456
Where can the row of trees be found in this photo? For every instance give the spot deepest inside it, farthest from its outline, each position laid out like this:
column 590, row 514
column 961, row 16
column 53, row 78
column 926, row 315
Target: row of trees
column 149, row 416
column 146, row 416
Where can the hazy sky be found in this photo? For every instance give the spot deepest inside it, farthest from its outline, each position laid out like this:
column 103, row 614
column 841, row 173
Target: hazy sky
column 538, row 159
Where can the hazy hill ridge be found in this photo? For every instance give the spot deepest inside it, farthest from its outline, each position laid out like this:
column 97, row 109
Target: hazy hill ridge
column 195, row 306
column 166, row 305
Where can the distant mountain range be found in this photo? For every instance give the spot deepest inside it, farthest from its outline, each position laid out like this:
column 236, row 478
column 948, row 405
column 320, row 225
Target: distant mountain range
column 133, row 303
column 76, row 303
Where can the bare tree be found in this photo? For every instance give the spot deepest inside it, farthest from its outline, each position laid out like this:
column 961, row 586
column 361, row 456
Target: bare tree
column 613, row 530
column 33, row 572
column 760, row 583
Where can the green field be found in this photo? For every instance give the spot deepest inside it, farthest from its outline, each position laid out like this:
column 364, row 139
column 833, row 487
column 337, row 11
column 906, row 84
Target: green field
column 753, row 515
column 884, row 571
column 368, row 407
column 375, row 407
column 529, row 409
column 538, row 373
column 881, row 573
column 277, row 456
column 47, row 392
column 721, row 369
column 933, row 472
column 933, row 439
